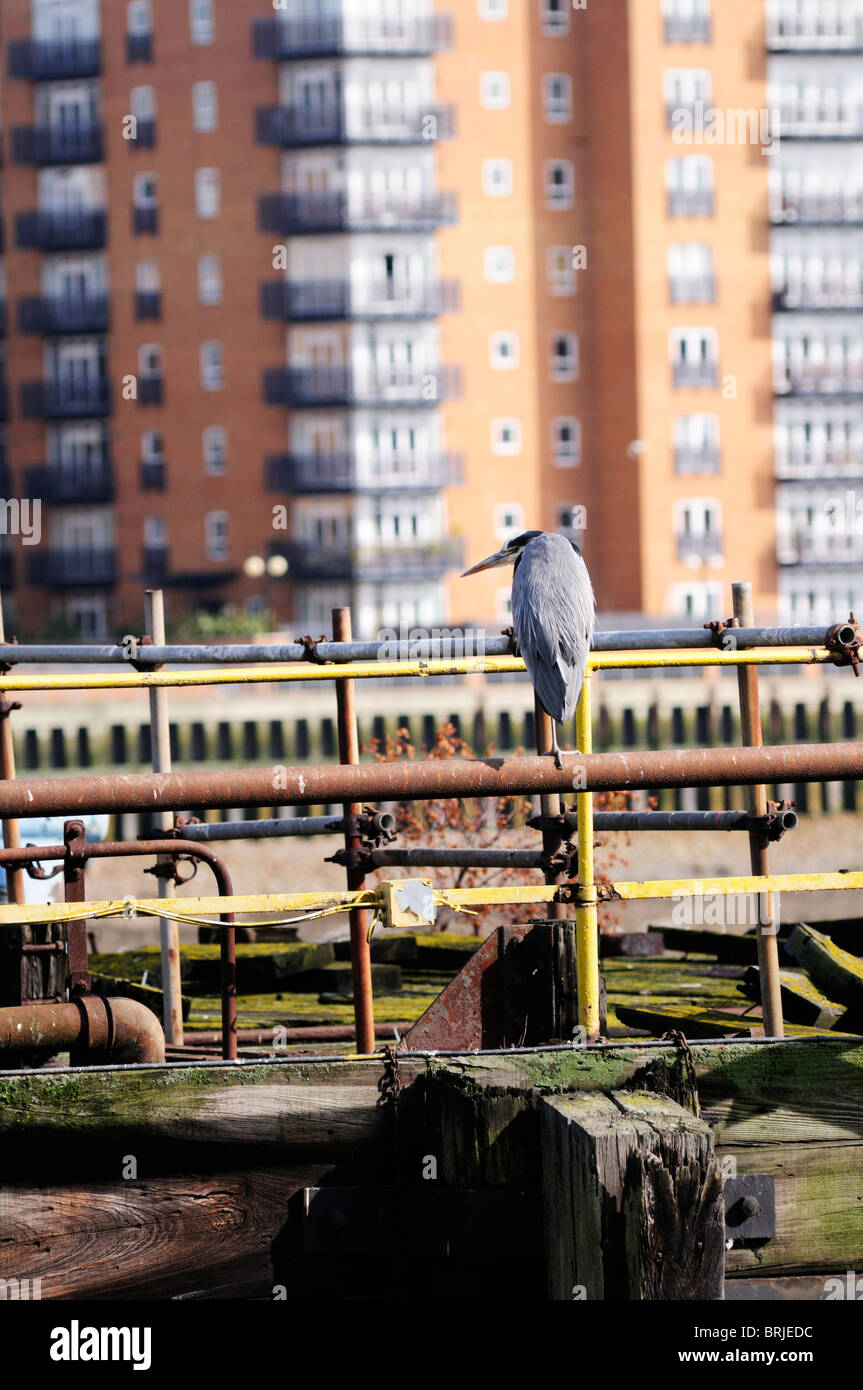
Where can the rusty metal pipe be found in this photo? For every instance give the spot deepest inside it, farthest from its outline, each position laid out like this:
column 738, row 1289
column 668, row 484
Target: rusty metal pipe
column 121, row 1030
column 430, row 778
column 325, row 1032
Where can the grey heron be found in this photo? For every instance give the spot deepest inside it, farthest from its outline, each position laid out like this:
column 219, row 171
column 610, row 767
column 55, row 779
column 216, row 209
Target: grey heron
column 553, row 617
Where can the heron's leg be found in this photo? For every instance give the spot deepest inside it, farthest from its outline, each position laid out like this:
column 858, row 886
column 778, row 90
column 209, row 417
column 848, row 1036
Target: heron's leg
column 555, row 747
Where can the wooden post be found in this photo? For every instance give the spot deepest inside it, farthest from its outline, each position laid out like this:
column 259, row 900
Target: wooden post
column 160, row 740
column 632, row 1200
column 11, row 833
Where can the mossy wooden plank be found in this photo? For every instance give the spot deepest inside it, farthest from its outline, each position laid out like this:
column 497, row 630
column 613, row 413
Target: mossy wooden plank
column 727, row 946
column 836, row 972
column 802, row 1001
column 260, row 967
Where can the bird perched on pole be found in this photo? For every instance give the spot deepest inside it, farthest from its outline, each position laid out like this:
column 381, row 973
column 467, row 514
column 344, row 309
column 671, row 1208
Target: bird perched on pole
column 553, row 617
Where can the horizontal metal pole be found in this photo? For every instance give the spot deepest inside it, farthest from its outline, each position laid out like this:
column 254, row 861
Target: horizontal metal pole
column 673, row 820
column 456, row 858
column 265, row 829
column 466, row 643
column 408, row 780
column 387, row 670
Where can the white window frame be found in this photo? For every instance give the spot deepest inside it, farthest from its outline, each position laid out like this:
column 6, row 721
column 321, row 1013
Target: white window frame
column 151, row 201
column 562, row 279
column 148, row 453
column 202, row 22
column 557, row 110
column 502, row 447
column 205, row 107
column 155, row 533
column 502, row 273
column 142, row 102
column 139, row 18
column 217, row 535
column 499, row 357
column 208, row 193
column 492, row 186
column 564, row 369
column 709, row 595
column 554, row 15
column 148, row 277
column 212, row 364
column 570, row 455
column 559, row 197
column 495, row 91
column 505, row 530
column 210, row 288
column 493, row 11
column 147, row 372
column 215, row 455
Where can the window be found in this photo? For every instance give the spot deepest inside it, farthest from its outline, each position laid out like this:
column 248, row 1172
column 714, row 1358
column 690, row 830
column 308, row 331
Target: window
column 697, row 524
column 559, row 183
column 212, row 366
column 202, row 21
column 564, row 357
column 687, row 91
column 493, row 11
column 152, row 446
column 570, row 519
column 499, row 263
column 503, row 351
column 508, row 520
column 208, row 192
column 696, row 444
column 139, row 17
column 503, row 606
column 146, row 191
column 701, row 601
column 691, row 276
column 217, row 534
column 205, row 106
column 566, row 441
column 560, row 271
column 689, row 181
column 686, row 21
column 555, row 16
column 215, row 444
column 209, row 280
column 147, row 277
column 155, row 533
column 506, row 436
column 497, row 177
column 557, row 97
column 142, row 103
column 694, row 356
column 494, row 90
column 150, row 360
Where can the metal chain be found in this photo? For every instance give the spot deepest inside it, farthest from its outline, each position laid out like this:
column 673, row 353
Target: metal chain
column 675, row 1035
column 390, row 1083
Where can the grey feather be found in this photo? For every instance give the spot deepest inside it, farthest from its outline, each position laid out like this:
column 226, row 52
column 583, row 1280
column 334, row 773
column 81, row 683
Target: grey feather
column 554, row 614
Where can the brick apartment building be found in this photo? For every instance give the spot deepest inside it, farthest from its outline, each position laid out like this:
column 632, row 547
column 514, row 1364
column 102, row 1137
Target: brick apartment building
column 312, row 303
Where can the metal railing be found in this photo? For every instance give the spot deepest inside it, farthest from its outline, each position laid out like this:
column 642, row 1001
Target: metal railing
column 314, row 473
column 54, row 315
column 335, row 212
column 85, row 229
column 56, row 144
column 396, row 123
column 810, row 462
column 321, row 36
column 338, row 299
column 65, row 483
column 55, row 60
column 342, row 385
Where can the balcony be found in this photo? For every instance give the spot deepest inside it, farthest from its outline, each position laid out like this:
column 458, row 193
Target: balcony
column 330, row 386
column 692, row 375
column 67, row 483
column 701, row 546
column 812, row 548
column 690, row 202
column 837, row 294
column 303, row 474
column 820, row 379
column 694, row 461
column 151, row 389
column 840, row 208
column 155, row 562
column 309, row 561
column 825, row 463
column 65, row 400
column 298, row 301
column 4, row 401
column 833, row 117
column 791, row 31
column 7, row 571
column 302, row 213
column 319, row 37
column 54, row 60
column 693, row 28
column 153, row 475
column 56, row 144
column 692, row 289
column 81, row 230
column 145, row 135
column 54, row 315
column 396, row 124
column 68, row 568
column 148, row 304
column 139, row 48
column 145, row 221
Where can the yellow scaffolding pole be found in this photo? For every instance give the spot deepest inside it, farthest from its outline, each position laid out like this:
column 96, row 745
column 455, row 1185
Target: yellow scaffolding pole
column 586, row 928
column 376, row 670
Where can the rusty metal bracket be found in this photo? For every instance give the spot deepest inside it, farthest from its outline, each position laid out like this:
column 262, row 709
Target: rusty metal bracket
column 167, row 869
column 750, row 1207
column 513, row 645
column 7, row 706
column 773, row 823
column 718, row 626
column 77, row 853
column 563, row 863
column 35, row 870
column 843, row 640
column 310, row 649
column 374, row 832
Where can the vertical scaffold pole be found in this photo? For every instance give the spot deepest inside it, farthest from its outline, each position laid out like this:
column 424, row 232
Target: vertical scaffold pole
column 585, row 913
column 756, row 805
column 349, row 752
column 549, row 804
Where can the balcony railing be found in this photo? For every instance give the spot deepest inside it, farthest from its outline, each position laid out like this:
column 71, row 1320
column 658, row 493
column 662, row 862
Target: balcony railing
column 323, row 386
column 804, row 463
column 82, row 230
column 54, row 60
column 285, row 39
column 154, row 475
column 299, row 300
column 841, row 293
column 342, row 473
column 56, row 144
column 148, row 304
column 814, row 548
column 54, row 314
column 139, row 48
column 308, row 560
column 820, row 379
column 59, row 400
column 71, row 484
column 792, row 31
column 145, row 134
column 151, row 389
column 145, row 221
column 830, row 118
column 155, row 561
column 67, row 568
column 693, row 28
column 700, row 546
column 336, row 212
column 697, row 460
column 7, row 570
column 695, row 374
column 690, row 202
column 844, row 207
column 692, row 289
column 395, row 124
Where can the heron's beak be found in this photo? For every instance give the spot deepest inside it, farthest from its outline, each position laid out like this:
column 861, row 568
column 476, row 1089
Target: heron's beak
column 503, row 557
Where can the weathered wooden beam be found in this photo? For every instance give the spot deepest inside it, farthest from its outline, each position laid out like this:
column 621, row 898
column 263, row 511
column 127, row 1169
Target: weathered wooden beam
column 835, row 971
column 632, row 1198
column 802, row 1001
